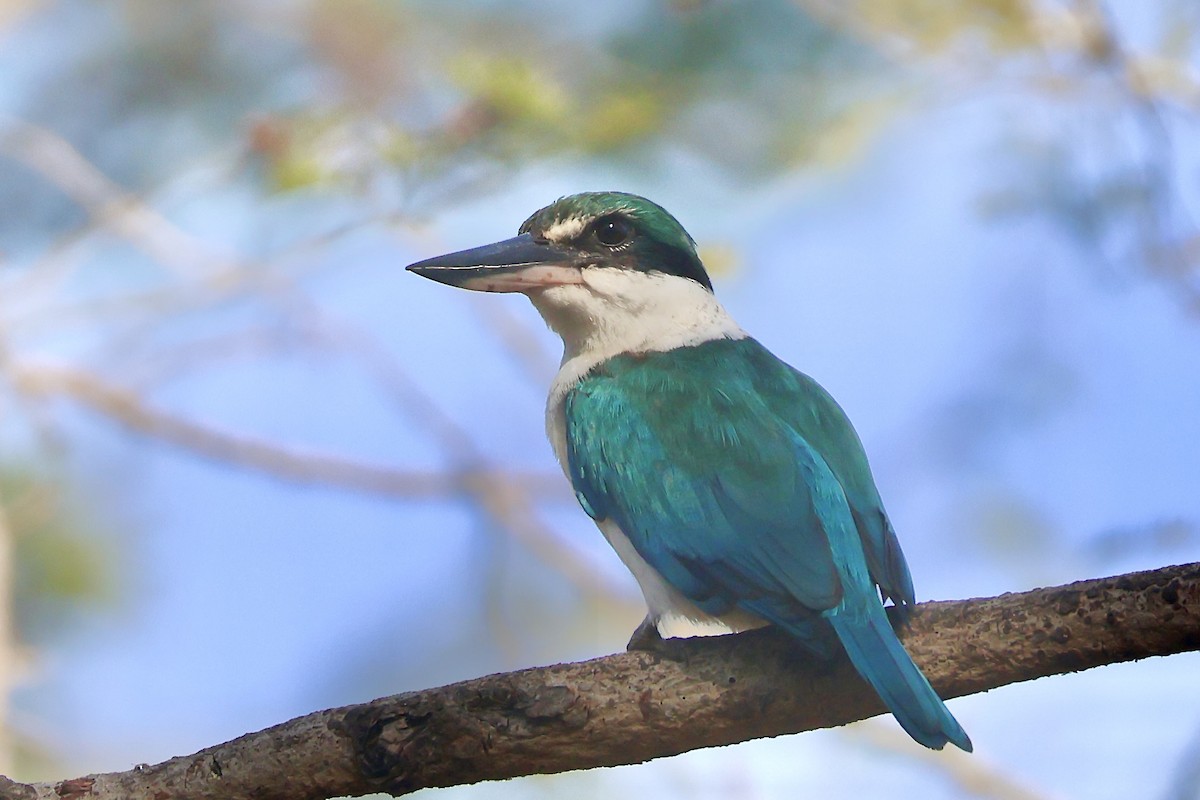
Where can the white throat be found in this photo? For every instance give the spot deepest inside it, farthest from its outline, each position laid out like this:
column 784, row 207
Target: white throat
column 615, row 311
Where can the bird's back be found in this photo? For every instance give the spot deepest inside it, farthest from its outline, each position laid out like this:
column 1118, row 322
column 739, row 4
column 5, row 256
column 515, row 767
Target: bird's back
column 703, row 401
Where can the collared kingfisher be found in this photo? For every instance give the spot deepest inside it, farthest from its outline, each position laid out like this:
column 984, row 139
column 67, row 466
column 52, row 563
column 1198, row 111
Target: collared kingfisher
column 731, row 485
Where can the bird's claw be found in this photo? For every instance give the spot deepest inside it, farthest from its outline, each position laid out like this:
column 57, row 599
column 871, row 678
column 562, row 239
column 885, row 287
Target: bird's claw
column 646, row 637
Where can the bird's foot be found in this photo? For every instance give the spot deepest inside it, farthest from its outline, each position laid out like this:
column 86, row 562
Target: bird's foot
column 646, row 637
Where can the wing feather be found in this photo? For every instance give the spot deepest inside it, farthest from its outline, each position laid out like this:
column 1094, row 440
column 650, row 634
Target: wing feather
column 714, row 491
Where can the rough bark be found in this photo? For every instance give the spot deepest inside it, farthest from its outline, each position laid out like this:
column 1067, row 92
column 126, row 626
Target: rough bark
column 633, row 707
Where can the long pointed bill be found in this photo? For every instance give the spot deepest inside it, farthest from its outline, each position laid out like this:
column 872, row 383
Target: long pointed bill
column 520, row 264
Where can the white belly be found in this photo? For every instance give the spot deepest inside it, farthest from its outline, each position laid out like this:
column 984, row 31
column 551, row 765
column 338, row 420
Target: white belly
column 673, row 613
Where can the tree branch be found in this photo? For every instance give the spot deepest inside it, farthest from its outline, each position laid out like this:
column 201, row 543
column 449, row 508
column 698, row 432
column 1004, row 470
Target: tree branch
column 633, row 707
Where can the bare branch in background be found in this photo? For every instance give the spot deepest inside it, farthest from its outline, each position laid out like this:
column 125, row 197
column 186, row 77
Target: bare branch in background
column 504, row 497
column 55, row 159
column 971, row 772
column 1132, row 213
column 129, row 409
column 633, row 707
column 527, row 351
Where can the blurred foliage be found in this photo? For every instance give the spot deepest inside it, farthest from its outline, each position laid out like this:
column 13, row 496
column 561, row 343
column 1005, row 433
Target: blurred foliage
column 931, row 25
column 424, row 92
column 62, row 562
column 422, row 104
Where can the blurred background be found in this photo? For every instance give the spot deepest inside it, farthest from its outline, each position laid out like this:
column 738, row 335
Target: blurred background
column 249, row 468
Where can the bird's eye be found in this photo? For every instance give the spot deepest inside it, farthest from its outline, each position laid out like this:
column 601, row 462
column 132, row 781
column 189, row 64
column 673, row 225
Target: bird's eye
column 613, row 231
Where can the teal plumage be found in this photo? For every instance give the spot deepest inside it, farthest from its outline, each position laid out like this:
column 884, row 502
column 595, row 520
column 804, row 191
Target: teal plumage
column 742, row 483
column 731, row 485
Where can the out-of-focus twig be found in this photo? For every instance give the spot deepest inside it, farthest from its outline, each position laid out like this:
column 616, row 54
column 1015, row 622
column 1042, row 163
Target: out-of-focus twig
column 13, row 11
column 1168, row 254
column 208, row 276
column 55, row 159
column 1076, row 46
column 970, row 772
column 132, row 411
column 535, row 363
column 506, row 497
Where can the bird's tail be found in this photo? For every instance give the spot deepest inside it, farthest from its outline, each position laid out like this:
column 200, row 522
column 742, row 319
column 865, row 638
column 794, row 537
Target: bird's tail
column 880, row 658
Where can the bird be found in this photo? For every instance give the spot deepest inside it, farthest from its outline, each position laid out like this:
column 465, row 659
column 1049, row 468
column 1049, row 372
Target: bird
column 731, row 485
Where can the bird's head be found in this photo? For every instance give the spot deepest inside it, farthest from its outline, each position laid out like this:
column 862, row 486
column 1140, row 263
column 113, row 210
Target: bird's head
column 598, row 264
column 591, row 231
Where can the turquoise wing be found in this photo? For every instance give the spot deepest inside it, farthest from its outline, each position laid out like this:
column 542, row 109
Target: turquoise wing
column 714, row 490
column 815, row 415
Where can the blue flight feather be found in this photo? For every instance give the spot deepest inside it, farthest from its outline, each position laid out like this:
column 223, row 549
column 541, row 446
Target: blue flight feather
column 879, row 657
column 743, row 484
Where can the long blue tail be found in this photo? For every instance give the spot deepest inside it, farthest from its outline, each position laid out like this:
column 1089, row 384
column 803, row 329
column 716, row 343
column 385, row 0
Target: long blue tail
column 880, row 658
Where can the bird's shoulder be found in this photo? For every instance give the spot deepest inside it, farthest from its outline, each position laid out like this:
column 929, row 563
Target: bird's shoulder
column 720, row 406
column 718, row 375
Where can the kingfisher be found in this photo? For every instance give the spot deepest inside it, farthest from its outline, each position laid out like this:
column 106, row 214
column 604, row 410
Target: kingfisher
column 731, row 485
